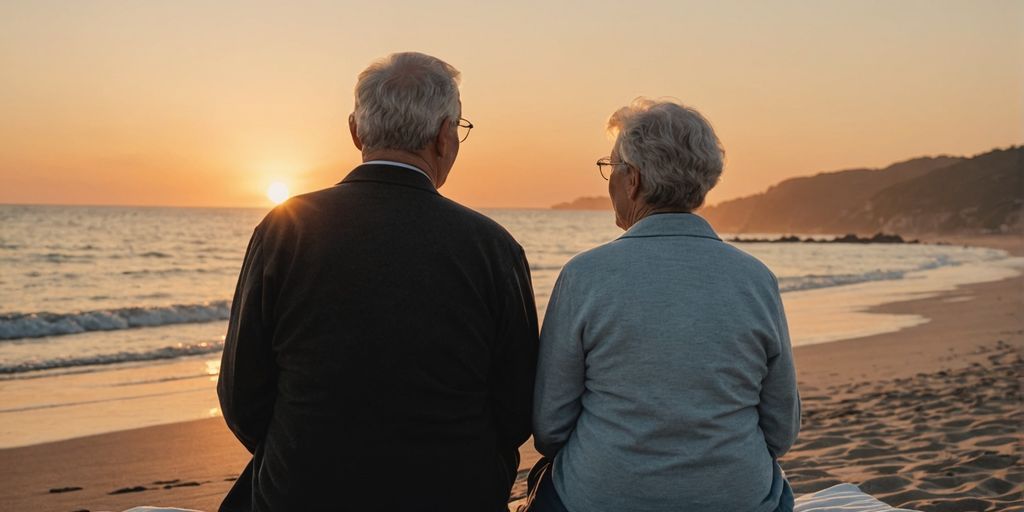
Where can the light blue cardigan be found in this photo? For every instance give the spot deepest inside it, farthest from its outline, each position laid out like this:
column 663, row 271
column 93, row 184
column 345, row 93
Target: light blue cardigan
column 666, row 379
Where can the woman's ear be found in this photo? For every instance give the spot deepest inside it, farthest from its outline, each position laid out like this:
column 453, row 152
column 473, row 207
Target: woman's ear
column 352, row 128
column 633, row 183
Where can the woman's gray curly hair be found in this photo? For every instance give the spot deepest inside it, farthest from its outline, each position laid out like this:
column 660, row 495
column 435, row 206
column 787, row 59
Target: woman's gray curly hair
column 677, row 152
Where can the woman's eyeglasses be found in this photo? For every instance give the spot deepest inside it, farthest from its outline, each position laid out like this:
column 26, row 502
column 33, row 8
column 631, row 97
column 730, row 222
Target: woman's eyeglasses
column 605, row 166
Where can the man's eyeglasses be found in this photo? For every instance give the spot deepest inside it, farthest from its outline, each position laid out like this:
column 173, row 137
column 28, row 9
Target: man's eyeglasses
column 605, row 166
column 464, row 126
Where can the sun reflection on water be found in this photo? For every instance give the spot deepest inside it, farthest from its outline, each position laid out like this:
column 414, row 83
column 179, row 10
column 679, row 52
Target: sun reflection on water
column 213, row 368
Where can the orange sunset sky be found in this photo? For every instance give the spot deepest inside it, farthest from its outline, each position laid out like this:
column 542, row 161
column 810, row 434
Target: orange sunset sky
column 197, row 103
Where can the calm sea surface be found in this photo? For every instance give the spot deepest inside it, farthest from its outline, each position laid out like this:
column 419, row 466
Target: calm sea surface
column 88, row 287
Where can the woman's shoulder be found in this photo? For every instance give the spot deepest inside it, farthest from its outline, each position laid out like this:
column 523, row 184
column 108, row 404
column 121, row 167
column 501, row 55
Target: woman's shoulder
column 609, row 253
column 711, row 256
column 741, row 260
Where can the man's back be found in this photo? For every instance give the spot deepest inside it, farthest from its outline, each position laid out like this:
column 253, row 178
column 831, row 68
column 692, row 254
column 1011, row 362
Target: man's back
column 396, row 332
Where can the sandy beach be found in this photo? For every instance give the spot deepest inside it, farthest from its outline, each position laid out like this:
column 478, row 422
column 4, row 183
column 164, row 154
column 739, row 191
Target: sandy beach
column 926, row 418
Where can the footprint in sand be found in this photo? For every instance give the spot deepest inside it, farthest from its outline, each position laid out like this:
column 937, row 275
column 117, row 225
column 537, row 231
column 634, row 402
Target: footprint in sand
column 182, row 484
column 887, row 470
column 867, row 453
column 995, row 486
column 998, row 441
column 825, row 442
column 64, row 489
column 993, row 461
column 953, row 505
column 945, row 482
column 885, row 485
column 126, row 490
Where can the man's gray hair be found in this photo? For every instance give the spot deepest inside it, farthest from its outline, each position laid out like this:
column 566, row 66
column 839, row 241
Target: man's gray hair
column 679, row 156
column 402, row 99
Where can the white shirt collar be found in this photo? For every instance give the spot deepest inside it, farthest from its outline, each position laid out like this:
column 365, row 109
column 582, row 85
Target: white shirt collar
column 399, row 164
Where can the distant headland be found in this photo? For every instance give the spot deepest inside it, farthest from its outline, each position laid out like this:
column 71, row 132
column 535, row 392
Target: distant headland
column 585, row 203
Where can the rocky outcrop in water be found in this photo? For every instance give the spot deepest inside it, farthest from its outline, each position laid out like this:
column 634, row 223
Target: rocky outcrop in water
column 878, row 238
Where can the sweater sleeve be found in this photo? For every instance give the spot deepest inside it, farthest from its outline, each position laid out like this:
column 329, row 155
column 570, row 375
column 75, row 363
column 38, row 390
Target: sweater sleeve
column 560, row 372
column 779, row 407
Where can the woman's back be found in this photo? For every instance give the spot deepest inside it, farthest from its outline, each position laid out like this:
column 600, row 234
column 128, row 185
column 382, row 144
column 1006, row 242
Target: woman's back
column 666, row 375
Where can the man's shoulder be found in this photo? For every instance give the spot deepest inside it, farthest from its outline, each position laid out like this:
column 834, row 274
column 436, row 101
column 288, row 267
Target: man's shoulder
column 296, row 213
column 471, row 219
column 456, row 218
column 293, row 208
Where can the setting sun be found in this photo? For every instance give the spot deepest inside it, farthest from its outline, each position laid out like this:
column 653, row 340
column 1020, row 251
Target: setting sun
column 277, row 192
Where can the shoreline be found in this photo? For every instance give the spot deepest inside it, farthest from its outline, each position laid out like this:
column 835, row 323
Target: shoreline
column 100, row 400
column 105, row 399
column 192, row 464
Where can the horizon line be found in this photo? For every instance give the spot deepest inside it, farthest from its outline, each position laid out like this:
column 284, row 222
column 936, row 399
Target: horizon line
column 226, row 207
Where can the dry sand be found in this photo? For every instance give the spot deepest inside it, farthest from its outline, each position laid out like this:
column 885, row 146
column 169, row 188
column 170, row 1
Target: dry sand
column 942, row 440
column 926, row 418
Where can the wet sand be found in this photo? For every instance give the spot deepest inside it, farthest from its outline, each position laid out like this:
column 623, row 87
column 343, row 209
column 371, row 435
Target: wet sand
column 927, row 418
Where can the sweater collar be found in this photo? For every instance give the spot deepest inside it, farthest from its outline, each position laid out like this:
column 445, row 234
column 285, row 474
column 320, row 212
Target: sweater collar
column 671, row 224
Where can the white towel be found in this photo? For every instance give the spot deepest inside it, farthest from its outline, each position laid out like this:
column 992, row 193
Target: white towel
column 160, row 509
column 842, row 498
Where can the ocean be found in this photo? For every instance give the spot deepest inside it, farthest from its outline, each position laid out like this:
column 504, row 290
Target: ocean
column 114, row 317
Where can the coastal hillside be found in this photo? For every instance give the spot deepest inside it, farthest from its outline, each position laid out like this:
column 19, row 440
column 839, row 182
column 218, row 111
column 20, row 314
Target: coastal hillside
column 823, row 203
column 982, row 194
column 929, row 195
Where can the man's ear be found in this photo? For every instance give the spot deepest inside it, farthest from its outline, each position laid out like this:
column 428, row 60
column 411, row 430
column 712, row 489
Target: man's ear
column 352, row 128
column 442, row 143
column 633, row 182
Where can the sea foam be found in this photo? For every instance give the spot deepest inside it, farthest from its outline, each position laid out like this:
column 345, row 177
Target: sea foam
column 36, row 325
column 169, row 352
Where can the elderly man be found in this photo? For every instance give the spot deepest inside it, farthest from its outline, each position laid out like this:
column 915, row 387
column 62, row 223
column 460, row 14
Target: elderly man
column 382, row 345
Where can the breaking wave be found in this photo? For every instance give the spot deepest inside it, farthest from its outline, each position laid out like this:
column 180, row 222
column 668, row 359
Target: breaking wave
column 36, row 325
column 105, row 359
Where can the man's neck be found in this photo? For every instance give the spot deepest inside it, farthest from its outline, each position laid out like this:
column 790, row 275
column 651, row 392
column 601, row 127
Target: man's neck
column 405, row 157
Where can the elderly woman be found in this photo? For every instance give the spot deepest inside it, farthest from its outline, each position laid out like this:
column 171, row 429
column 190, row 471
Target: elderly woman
column 666, row 379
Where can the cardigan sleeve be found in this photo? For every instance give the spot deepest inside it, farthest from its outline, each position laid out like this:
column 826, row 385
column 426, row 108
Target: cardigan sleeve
column 779, row 407
column 560, row 372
